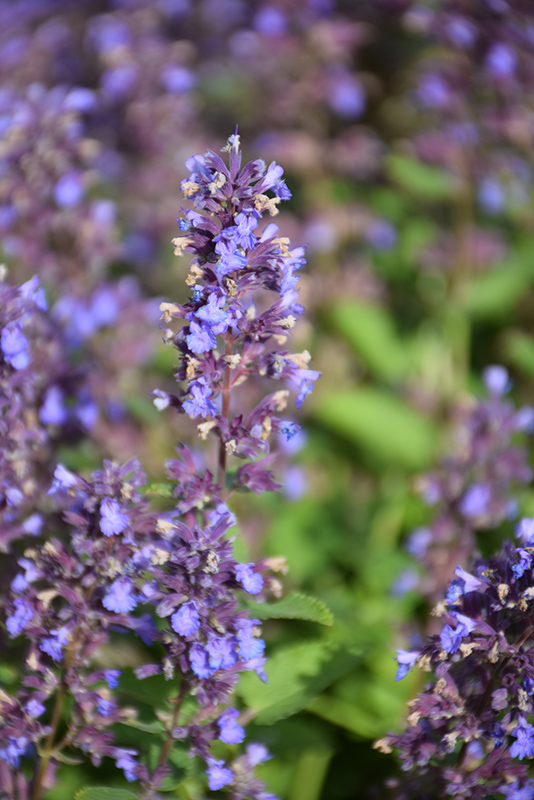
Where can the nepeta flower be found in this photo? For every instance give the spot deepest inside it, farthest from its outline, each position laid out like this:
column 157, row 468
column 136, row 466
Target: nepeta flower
column 112, row 520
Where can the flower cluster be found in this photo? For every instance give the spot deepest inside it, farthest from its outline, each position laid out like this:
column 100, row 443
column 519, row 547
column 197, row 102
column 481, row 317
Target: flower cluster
column 233, row 269
column 469, row 731
column 170, row 578
column 43, row 401
column 473, row 488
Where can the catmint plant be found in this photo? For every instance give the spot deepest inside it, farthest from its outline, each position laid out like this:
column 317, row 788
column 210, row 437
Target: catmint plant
column 473, row 488
column 168, row 578
column 470, row 730
column 44, row 401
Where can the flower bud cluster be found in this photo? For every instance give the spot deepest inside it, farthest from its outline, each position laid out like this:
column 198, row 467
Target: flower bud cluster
column 470, row 729
column 473, row 488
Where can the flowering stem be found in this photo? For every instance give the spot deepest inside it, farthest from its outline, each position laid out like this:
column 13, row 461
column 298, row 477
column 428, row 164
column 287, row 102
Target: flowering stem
column 45, row 758
column 166, row 749
column 225, row 410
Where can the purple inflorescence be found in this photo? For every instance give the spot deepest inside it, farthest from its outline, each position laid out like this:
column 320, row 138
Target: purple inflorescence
column 178, row 565
column 471, row 727
column 473, row 489
column 235, row 267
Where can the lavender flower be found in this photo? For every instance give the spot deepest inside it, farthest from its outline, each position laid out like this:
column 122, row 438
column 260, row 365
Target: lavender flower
column 481, row 690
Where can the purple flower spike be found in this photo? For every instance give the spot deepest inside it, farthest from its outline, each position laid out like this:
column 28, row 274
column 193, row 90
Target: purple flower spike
column 186, row 620
column 112, row 520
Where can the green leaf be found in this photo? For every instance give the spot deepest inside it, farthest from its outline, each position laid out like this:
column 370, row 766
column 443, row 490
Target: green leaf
column 370, row 331
column 420, row 179
column 494, row 293
column 159, row 489
column 381, row 424
column 295, row 676
column 520, row 348
column 104, row 793
column 155, row 727
column 295, row 606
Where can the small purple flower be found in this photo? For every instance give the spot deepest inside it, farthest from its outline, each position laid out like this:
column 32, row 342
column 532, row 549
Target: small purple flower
column 471, row 584
column 249, row 645
column 461, row 32
column 246, row 223
column 221, row 652
column 305, row 389
column 513, row 791
column 55, row 643
column 213, row 315
column 501, row 61
column 198, row 658
column 18, row 621
column 186, row 620
column 381, row 235
column 111, row 676
column 53, row 412
column 199, row 404
column 112, row 520
column 434, row 92
column 406, row 661
column 230, row 259
column 251, row 581
column 13, row 344
column 230, row 731
column 177, row 80
column 14, row 750
column 451, row 639
column 525, row 532
column 119, row 597
column 257, row 754
column 496, row 380
column 34, row 708
column 218, row 775
column 200, row 338
column 491, row 195
column 346, row 96
column 69, row 189
column 475, row 501
column 524, row 746
column 128, row 764
column 105, row 707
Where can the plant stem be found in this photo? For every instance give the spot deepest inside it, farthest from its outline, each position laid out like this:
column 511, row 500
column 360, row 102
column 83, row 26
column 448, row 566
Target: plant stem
column 166, row 749
column 221, row 477
column 45, row 758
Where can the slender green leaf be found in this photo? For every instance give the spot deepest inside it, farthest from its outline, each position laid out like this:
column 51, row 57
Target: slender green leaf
column 370, row 331
column 420, row 179
column 294, row 606
column 381, row 424
column 147, row 727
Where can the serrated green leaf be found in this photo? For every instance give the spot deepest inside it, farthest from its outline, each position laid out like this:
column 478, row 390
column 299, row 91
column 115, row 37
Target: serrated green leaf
column 295, row 676
column 295, row 606
column 421, row 179
column 380, row 423
column 104, row 793
column 370, row 331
